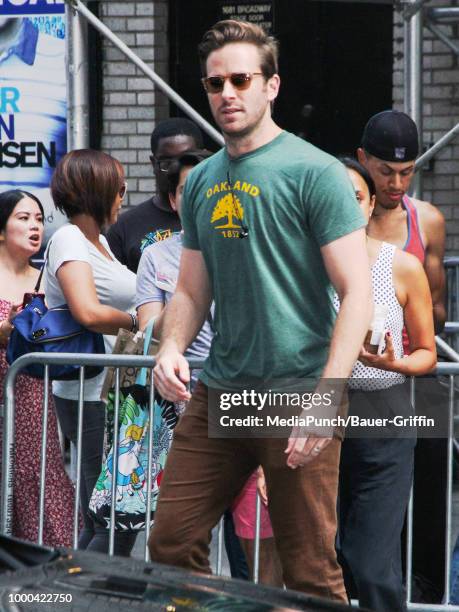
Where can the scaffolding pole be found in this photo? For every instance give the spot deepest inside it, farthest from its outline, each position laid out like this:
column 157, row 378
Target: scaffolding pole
column 78, row 6
column 413, row 8
column 77, row 92
column 440, row 144
column 444, row 15
column 413, row 78
column 443, row 37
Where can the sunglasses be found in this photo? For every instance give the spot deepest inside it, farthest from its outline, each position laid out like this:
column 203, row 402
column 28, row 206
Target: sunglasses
column 239, row 80
column 164, row 164
column 123, row 189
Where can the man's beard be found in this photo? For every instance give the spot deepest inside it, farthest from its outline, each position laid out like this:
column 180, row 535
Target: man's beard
column 247, row 131
column 391, row 205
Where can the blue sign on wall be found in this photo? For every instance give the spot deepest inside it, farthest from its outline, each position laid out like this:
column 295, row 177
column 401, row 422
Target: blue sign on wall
column 33, row 102
column 31, row 7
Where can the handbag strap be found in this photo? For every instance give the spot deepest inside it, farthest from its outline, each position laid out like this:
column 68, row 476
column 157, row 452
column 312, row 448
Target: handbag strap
column 45, row 261
column 148, row 334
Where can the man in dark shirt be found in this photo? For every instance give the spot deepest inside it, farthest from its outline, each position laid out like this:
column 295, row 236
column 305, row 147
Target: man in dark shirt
column 154, row 220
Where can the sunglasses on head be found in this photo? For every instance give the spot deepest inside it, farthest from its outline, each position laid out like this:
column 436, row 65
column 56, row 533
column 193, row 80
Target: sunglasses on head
column 239, row 80
column 123, row 189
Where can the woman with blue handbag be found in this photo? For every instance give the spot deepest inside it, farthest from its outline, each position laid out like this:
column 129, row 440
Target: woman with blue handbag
column 21, row 233
column 82, row 272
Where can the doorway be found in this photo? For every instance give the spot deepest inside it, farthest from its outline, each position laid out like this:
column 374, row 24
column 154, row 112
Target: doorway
column 335, row 64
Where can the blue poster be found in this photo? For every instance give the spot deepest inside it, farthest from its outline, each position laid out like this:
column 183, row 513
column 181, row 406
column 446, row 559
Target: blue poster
column 31, row 7
column 33, row 106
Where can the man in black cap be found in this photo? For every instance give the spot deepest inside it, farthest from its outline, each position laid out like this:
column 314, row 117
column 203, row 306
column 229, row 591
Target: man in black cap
column 390, row 145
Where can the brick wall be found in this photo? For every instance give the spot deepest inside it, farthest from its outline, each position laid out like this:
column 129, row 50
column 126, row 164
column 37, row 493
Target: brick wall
column 131, row 105
column 440, row 114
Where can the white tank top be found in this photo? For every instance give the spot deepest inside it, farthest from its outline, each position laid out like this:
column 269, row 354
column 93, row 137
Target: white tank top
column 364, row 377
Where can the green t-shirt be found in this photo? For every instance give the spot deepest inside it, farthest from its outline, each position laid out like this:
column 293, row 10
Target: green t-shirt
column 274, row 314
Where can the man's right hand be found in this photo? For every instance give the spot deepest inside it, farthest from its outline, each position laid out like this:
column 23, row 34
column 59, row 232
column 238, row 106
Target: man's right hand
column 302, row 448
column 171, row 374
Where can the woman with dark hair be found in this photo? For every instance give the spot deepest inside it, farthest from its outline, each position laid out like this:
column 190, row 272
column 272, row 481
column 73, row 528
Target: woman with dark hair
column 21, row 233
column 81, row 271
column 376, row 467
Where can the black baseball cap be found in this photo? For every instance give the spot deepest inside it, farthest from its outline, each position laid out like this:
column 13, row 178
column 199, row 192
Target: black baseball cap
column 391, row 136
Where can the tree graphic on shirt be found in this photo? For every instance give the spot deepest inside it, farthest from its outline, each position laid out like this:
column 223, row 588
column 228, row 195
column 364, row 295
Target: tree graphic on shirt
column 229, row 206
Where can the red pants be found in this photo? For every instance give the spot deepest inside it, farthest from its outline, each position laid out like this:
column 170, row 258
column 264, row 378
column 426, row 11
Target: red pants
column 203, row 476
column 244, row 510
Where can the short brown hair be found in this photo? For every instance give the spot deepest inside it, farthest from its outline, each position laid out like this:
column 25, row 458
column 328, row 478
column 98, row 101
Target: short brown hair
column 232, row 31
column 87, row 181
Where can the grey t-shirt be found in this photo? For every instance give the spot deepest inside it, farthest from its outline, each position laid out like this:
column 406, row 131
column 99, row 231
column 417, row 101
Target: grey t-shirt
column 156, row 282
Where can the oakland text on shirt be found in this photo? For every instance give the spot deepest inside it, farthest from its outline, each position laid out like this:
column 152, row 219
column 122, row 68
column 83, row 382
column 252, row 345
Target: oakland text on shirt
column 253, row 190
column 229, row 206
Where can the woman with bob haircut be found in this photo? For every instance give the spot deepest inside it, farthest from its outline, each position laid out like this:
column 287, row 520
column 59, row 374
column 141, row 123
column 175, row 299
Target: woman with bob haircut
column 21, row 234
column 81, row 271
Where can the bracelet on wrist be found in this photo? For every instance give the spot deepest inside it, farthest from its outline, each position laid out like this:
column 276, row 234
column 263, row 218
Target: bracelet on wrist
column 134, row 325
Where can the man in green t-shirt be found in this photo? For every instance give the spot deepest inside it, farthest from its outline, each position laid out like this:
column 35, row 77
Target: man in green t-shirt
column 270, row 224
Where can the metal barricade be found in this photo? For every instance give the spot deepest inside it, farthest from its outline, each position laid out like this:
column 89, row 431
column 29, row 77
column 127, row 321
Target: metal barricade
column 452, row 283
column 450, row 370
column 47, row 359
column 451, row 332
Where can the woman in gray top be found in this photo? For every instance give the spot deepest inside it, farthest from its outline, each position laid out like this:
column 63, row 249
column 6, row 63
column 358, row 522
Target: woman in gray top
column 81, row 271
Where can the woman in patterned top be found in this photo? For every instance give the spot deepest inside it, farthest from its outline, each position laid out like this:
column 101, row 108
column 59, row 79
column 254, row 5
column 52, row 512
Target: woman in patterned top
column 21, row 233
column 377, row 463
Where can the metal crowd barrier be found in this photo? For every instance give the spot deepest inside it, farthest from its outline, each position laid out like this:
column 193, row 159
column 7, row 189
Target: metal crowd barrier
column 450, row 370
column 452, row 303
column 452, row 282
column 116, row 361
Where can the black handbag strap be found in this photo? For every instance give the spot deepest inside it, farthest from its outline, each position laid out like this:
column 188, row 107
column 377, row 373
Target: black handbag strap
column 40, row 276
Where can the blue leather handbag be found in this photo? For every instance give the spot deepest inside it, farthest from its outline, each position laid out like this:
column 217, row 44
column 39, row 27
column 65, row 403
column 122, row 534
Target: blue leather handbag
column 53, row 330
column 38, row 329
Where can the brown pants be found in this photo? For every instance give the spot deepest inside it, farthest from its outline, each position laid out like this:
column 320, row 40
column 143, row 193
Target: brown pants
column 202, row 477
